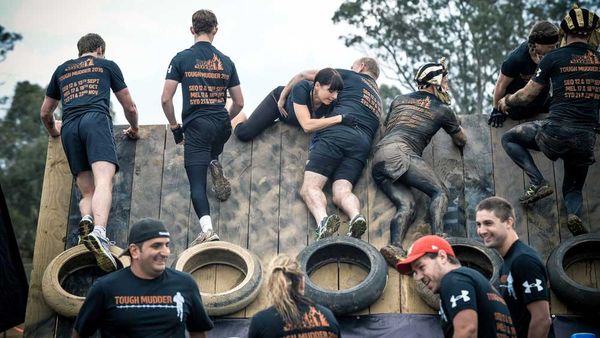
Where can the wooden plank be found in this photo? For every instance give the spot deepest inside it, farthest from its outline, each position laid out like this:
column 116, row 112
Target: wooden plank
column 542, row 216
column 232, row 215
column 380, row 212
column 264, row 198
column 50, row 237
column 293, row 213
column 147, row 173
column 175, row 198
column 448, row 165
column 509, row 181
column 118, row 218
column 478, row 167
column 591, row 191
column 410, row 302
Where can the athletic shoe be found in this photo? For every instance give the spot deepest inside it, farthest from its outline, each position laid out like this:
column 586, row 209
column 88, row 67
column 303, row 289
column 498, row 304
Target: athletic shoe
column 85, row 227
column 100, row 247
column 329, row 225
column 204, row 237
column 392, row 254
column 535, row 193
column 221, row 185
column 575, row 225
column 358, row 226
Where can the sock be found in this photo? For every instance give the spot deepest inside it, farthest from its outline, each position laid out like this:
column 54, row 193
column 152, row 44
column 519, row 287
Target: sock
column 205, row 223
column 100, row 230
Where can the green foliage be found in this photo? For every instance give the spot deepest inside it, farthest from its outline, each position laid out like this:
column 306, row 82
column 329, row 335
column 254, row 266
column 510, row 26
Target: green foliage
column 23, row 145
column 388, row 93
column 7, row 41
column 474, row 36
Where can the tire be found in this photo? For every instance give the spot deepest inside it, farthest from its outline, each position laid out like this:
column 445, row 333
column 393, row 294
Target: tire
column 66, row 263
column 344, row 249
column 582, row 247
column 224, row 253
column 472, row 254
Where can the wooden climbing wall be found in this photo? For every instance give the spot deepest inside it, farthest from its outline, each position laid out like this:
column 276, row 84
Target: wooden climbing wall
column 266, row 214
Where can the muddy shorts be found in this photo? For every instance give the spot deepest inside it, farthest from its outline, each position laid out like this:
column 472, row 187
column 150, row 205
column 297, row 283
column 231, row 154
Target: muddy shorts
column 572, row 144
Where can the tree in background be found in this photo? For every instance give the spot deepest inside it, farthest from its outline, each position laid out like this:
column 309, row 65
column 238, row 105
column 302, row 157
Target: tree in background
column 23, row 145
column 474, row 36
column 7, row 42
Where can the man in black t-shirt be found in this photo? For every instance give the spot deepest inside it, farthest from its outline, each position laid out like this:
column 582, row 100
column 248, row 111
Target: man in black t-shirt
column 470, row 306
column 412, row 121
column 573, row 73
column 523, row 281
column 518, row 68
column 206, row 75
column 83, row 87
column 146, row 299
column 340, row 152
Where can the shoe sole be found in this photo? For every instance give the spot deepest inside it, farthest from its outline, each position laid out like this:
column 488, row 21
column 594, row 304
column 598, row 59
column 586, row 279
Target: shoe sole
column 212, row 238
column 85, row 228
column 576, row 227
column 358, row 228
column 104, row 259
column 392, row 257
column 221, row 185
column 331, row 226
column 538, row 196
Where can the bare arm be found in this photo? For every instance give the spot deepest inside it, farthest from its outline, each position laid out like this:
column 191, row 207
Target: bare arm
column 47, row 116
column 131, row 113
column 459, row 138
column 237, row 100
column 201, row 334
column 305, row 75
column 522, row 97
column 166, row 101
column 500, row 90
column 465, row 324
column 540, row 323
column 309, row 124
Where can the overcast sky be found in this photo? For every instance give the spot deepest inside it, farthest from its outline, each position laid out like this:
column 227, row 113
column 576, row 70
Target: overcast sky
column 269, row 41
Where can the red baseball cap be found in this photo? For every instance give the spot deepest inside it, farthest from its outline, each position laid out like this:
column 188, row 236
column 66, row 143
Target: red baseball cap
column 423, row 245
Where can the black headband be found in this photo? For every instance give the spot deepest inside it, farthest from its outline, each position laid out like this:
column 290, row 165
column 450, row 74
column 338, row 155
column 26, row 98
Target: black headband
column 544, row 40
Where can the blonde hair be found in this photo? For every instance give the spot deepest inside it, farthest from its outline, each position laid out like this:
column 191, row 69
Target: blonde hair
column 284, row 288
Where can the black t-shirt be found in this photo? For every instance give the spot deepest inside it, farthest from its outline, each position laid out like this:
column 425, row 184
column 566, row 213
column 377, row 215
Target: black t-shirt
column 83, row 85
column 361, row 99
column 522, row 281
column 573, row 72
column 123, row 305
column 317, row 322
column 519, row 66
column 301, row 94
column 465, row 288
column 414, row 118
column 205, row 75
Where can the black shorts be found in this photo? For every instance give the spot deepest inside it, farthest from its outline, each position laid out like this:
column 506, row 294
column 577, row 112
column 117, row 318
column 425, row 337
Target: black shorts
column 204, row 139
column 575, row 145
column 339, row 152
column 88, row 138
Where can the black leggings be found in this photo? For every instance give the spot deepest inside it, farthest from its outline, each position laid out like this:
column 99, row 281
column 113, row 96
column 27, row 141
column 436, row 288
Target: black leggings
column 197, row 177
column 264, row 116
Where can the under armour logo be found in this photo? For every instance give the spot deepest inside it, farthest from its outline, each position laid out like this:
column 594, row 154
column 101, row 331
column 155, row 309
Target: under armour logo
column 464, row 296
column 537, row 72
column 169, row 70
column 538, row 285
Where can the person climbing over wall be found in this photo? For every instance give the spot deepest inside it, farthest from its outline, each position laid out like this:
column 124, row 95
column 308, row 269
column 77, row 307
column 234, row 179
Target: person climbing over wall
column 569, row 132
column 518, row 68
column 305, row 107
column 340, row 152
column 411, row 122
column 206, row 75
column 83, row 87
